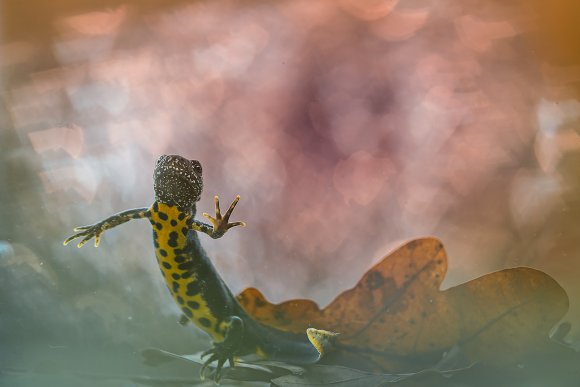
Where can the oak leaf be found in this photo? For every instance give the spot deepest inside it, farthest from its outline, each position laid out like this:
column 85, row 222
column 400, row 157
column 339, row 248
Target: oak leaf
column 396, row 319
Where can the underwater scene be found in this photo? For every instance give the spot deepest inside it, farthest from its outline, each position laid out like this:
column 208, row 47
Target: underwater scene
column 289, row 193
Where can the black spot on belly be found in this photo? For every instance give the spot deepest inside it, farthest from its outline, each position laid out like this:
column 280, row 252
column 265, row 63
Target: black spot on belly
column 180, row 259
column 184, row 230
column 155, row 207
column 175, row 276
column 204, row 322
column 181, row 216
column 175, row 286
column 187, row 312
column 187, row 265
column 166, row 265
column 155, row 243
column 173, row 222
column 163, row 215
column 193, row 289
column 187, row 274
column 158, row 226
column 172, row 242
column 173, row 235
column 193, row 304
column 163, row 253
column 180, row 300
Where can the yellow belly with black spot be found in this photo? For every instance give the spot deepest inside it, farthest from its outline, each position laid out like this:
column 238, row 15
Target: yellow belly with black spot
column 170, row 228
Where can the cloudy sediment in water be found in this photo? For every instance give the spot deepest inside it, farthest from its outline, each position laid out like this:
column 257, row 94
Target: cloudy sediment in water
column 347, row 128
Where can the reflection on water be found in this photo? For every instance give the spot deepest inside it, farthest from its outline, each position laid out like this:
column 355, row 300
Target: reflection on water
column 346, row 127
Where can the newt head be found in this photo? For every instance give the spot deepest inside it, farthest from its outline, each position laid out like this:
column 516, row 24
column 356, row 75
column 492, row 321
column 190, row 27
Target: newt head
column 177, row 181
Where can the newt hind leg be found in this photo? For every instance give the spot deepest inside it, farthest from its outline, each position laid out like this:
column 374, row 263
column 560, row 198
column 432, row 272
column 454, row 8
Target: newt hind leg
column 225, row 350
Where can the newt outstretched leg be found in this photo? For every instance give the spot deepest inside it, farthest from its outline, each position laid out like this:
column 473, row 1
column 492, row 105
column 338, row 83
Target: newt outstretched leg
column 95, row 230
column 220, row 224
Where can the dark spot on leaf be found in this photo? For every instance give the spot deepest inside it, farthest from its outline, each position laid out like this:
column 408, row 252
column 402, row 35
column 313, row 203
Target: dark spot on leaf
column 375, row 280
column 279, row 315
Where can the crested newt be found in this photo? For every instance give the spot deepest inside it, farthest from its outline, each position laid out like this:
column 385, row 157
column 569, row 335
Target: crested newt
column 192, row 279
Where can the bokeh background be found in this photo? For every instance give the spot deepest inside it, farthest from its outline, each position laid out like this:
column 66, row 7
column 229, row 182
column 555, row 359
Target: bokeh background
column 346, row 126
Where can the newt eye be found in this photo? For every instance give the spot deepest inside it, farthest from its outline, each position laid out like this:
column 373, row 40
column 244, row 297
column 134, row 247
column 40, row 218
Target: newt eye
column 197, row 166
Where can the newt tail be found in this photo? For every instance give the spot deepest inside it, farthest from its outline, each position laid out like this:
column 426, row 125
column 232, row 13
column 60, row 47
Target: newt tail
column 193, row 281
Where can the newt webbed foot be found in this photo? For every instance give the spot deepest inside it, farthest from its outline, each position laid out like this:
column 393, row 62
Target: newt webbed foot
column 88, row 232
column 225, row 350
column 221, row 223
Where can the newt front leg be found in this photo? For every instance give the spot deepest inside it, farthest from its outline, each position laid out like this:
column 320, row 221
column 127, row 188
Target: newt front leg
column 95, row 230
column 220, row 224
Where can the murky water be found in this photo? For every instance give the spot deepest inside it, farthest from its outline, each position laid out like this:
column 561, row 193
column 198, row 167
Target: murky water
column 346, row 127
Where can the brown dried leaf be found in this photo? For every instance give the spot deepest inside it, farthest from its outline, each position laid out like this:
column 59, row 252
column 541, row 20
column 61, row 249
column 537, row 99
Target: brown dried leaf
column 397, row 318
